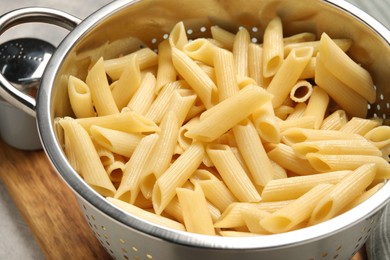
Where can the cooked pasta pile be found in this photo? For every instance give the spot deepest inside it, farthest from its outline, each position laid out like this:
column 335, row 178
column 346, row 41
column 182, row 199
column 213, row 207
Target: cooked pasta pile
column 224, row 136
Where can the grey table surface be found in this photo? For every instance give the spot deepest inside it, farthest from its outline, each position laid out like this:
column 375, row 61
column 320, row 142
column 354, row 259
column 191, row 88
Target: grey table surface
column 16, row 240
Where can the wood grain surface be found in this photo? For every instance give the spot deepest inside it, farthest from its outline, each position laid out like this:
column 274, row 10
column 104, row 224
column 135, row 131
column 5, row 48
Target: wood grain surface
column 48, row 206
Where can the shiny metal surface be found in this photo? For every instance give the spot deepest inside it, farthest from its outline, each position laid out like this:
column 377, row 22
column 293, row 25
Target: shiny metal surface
column 11, row 94
column 139, row 23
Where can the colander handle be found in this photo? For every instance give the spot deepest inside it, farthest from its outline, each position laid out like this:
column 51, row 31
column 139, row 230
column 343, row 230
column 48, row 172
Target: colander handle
column 30, row 15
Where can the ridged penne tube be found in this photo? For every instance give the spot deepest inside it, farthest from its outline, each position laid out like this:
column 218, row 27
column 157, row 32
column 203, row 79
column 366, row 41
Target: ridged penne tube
column 176, row 175
column 363, row 197
column 235, row 178
column 360, row 126
column 301, row 122
column 339, row 146
column 317, row 106
column 130, row 122
column 136, row 168
column 266, row 123
column 296, row 212
column 116, row 141
column 223, row 116
column 195, row 76
column 162, row 153
column 225, row 73
column 346, row 70
column 181, row 102
column 115, row 171
column 294, row 187
column 80, row 97
column 100, row 90
column 298, row 112
column 379, row 136
column 301, row 91
column 344, row 193
column 183, row 141
column 71, row 156
column 252, row 220
column 309, row 70
column 106, row 156
column 173, row 209
column 255, row 64
column 299, row 37
column 343, row 44
column 334, row 121
column 283, row 111
column 146, row 215
column 201, row 49
column 197, row 218
column 127, row 84
column 253, row 153
column 288, row 74
column 146, row 58
column 178, row 36
column 223, row 36
column 161, row 103
column 285, row 156
column 240, row 52
column 296, row 135
column 144, row 96
column 279, row 171
column 91, row 168
column 329, row 162
column 273, row 52
column 348, row 99
column 166, row 72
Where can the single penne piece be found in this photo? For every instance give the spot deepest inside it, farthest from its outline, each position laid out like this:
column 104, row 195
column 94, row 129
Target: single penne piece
column 252, row 220
column 144, row 96
column 343, row 44
column 299, row 111
column 80, row 98
column 294, row 187
column 225, row 73
column 348, row 99
column 301, row 91
column 223, row 36
column 345, row 69
column 309, row 71
column 195, row 76
column 296, row 135
column 279, row 171
column 334, row 121
column 118, row 142
column 240, row 52
column 343, row 193
column 360, row 126
column 196, row 215
column 330, row 162
column 166, row 72
column 299, row 37
column 100, row 90
column 161, row 103
column 130, row 122
column 176, row 175
column 288, row 74
column 223, row 116
column 234, row 176
column 146, row 58
column 135, row 169
column 283, row 111
column 296, row 212
column 285, row 156
column 339, row 146
column 106, row 156
column 115, row 171
column 178, row 36
column 255, row 64
column 71, row 155
column 173, row 209
column 91, row 168
column 273, row 47
column 363, row 197
column 201, row 49
column 301, row 122
column 253, row 153
column 266, row 123
column 162, row 153
column 181, row 102
column 317, row 106
column 183, row 141
column 146, row 215
column 379, row 136
column 128, row 83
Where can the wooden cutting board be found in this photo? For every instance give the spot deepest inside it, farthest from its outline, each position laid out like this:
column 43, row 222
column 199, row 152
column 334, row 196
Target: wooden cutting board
column 50, row 208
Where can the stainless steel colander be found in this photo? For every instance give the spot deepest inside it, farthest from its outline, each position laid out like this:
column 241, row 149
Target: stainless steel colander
column 129, row 25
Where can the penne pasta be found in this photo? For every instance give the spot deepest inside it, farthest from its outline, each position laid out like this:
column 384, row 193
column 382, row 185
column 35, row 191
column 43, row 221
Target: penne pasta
column 144, row 96
column 225, row 38
column 80, row 98
column 201, row 49
column 166, row 72
column 301, row 91
column 178, row 36
column 266, row 123
column 272, row 47
column 360, row 126
column 317, row 106
column 240, row 52
column 334, row 121
column 379, row 136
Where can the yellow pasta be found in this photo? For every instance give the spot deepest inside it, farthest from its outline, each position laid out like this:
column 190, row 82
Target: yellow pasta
column 334, row 121
column 178, row 36
column 379, row 136
column 360, row 126
column 266, row 123
column 301, row 91
column 317, row 106
column 240, row 52
column 272, row 47
column 201, row 49
column 80, row 98
column 343, row 44
column 166, row 72
column 224, row 37
column 144, row 96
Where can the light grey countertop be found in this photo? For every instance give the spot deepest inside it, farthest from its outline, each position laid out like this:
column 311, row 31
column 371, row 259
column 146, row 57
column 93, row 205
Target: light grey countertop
column 16, row 240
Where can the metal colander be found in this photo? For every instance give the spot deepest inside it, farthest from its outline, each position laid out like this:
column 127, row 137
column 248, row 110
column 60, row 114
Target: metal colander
column 124, row 26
